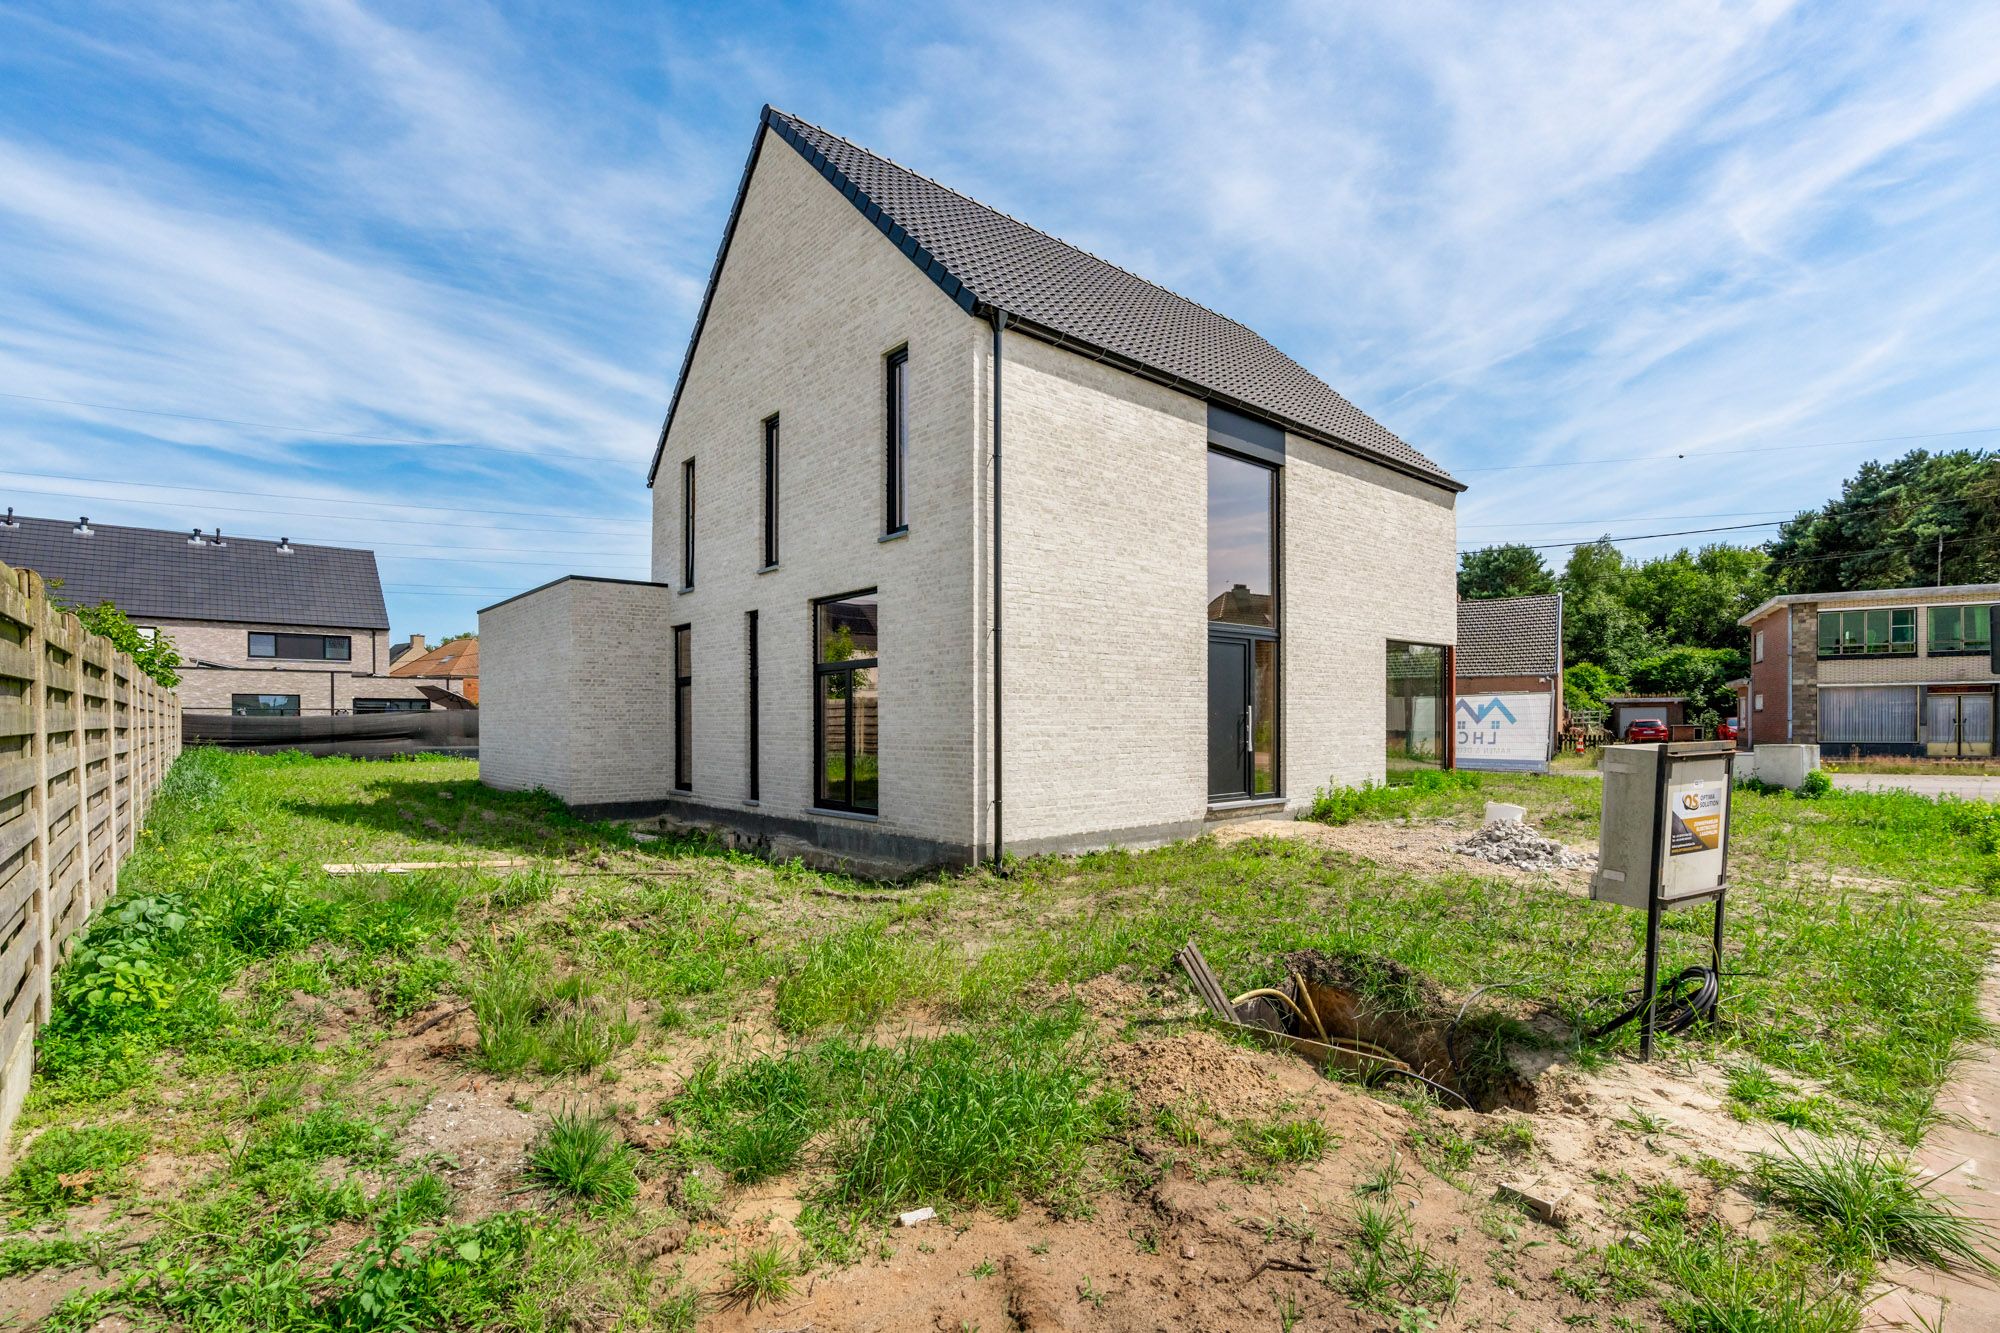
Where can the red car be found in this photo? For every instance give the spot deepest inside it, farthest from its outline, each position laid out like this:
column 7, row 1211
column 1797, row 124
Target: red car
column 1725, row 730
column 1640, row 730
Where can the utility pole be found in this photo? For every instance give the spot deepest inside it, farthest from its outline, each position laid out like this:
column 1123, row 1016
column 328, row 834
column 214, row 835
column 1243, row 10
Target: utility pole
column 1940, row 560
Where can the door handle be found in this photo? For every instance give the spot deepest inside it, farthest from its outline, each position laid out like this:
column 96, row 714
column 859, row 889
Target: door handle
column 1249, row 737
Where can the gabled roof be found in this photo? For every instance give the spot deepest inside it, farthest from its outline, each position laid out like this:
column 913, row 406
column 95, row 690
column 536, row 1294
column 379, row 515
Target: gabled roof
column 1510, row 636
column 154, row 574
column 460, row 657
column 987, row 261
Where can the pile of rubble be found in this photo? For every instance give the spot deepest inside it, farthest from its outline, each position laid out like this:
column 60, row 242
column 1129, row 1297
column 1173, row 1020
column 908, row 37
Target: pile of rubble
column 1512, row 843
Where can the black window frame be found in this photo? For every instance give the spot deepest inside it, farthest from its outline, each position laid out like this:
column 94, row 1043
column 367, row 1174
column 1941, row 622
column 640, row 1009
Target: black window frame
column 823, row 670
column 896, row 442
column 237, row 709
column 392, row 706
column 687, row 523
column 1252, row 636
column 682, row 647
column 771, row 491
column 755, row 703
column 279, row 643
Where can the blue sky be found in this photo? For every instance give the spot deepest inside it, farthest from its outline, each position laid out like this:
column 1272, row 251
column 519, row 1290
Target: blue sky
column 1734, row 247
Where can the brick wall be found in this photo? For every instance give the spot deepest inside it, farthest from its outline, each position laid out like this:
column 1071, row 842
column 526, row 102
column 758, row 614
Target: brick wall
column 1768, row 677
column 1804, row 662
column 321, row 686
column 810, row 302
column 1369, row 556
column 577, row 692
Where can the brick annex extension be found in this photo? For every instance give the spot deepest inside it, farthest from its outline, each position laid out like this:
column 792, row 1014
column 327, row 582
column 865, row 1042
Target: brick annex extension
column 1220, row 584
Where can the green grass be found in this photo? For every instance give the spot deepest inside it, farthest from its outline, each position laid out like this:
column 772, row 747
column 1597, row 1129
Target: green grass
column 761, row 1275
column 583, row 1158
column 1871, row 1203
column 234, row 977
column 72, row 1164
column 991, row 1117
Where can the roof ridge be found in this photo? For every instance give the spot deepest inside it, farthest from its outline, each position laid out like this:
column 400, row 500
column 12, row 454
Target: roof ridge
column 1023, row 222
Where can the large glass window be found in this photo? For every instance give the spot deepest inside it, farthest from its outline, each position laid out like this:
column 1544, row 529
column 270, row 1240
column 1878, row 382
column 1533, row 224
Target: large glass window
column 1417, row 717
column 1872, row 632
column 687, row 523
column 683, row 717
column 897, row 443
column 755, row 702
column 303, row 647
column 264, row 705
column 1870, row 715
column 392, row 705
column 1961, row 629
column 846, row 733
column 1241, row 523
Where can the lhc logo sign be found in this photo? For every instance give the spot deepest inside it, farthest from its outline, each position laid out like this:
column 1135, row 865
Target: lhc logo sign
column 1485, row 710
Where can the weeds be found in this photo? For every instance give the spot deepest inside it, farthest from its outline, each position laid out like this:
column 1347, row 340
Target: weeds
column 529, row 1016
column 761, row 1275
column 68, row 1165
column 1870, row 1203
column 584, row 1158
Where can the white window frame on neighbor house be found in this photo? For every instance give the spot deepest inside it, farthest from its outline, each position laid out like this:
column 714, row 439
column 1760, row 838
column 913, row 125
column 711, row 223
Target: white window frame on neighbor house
column 1760, row 645
column 1759, row 705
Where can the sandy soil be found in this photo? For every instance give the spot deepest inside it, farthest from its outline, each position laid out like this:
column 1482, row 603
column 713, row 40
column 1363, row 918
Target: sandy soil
column 1422, row 846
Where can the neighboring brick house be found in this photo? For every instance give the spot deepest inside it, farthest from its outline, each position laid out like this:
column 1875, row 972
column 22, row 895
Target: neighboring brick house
column 264, row 628
column 1206, row 560
column 448, row 673
column 1907, row 671
column 1510, row 681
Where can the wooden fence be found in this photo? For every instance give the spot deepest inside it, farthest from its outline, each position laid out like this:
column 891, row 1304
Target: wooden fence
column 85, row 738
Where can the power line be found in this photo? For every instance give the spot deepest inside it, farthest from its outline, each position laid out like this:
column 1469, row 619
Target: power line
column 1727, row 453
column 1643, row 536
column 359, row 436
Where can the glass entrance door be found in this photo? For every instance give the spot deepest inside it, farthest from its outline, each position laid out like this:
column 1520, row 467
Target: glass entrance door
column 1958, row 726
column 1228, row 718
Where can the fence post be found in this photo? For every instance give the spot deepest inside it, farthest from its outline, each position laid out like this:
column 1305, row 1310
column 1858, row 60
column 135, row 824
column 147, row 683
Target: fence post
column 38, row 608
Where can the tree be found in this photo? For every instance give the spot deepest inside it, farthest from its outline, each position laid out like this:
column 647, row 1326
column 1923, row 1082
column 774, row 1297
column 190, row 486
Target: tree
column 157, row 656
column 1921, row 519
column 1588, row 685
column 1697, row 599
column 454, row 638
column 1503, row 571
column 1701, row 674
column 1599, row 624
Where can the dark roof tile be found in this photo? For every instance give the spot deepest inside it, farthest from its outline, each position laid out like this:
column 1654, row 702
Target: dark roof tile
column 982, row 257
column 1510, row 636
column 153, row 574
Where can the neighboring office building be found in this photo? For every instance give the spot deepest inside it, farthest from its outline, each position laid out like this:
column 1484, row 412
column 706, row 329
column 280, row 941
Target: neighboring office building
column 270, row 629
column 448, row 673
column 1214, row 567
column 1908, row 671
column 1509, row 713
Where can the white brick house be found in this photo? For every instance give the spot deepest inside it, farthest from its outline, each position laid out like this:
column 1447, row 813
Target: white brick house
column 1206, row 561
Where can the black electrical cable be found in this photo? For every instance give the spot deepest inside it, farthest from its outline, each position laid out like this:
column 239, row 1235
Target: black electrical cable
column 1689, row 997
column 1431, row 1083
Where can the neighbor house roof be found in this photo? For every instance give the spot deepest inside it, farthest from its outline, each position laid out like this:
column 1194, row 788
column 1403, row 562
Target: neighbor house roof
column 1510, row 636
column 154, row 574
column 1942, row 595
column 987, row 261
column 458, row 659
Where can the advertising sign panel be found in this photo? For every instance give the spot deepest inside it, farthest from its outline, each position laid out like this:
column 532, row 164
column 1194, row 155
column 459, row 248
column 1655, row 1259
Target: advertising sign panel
column 1510, row 732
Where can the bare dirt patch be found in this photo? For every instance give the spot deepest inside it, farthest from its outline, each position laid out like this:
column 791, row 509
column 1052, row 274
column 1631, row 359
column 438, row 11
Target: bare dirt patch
column 1427, row 847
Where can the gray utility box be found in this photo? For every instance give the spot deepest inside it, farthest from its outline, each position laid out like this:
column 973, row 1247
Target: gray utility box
column 1666, row 823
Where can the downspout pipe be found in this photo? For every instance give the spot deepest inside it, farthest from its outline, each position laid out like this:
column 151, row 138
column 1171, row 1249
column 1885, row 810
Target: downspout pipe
column 999, row 750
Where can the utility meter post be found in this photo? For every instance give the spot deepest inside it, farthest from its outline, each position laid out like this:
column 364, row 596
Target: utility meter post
column 1665, row 844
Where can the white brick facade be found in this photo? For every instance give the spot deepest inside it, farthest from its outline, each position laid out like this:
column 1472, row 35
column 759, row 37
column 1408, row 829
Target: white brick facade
column 1105, row 572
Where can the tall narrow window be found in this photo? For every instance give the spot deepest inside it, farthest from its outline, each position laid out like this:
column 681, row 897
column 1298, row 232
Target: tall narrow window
column 770, row 492
column 687, row 524
column 846, row 756
column 683, row 719
column 897, row 451
column 1242, row 628
column 755, row 702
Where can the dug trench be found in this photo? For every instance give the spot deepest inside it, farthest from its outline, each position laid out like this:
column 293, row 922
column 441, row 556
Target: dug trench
column 1377, row 1019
